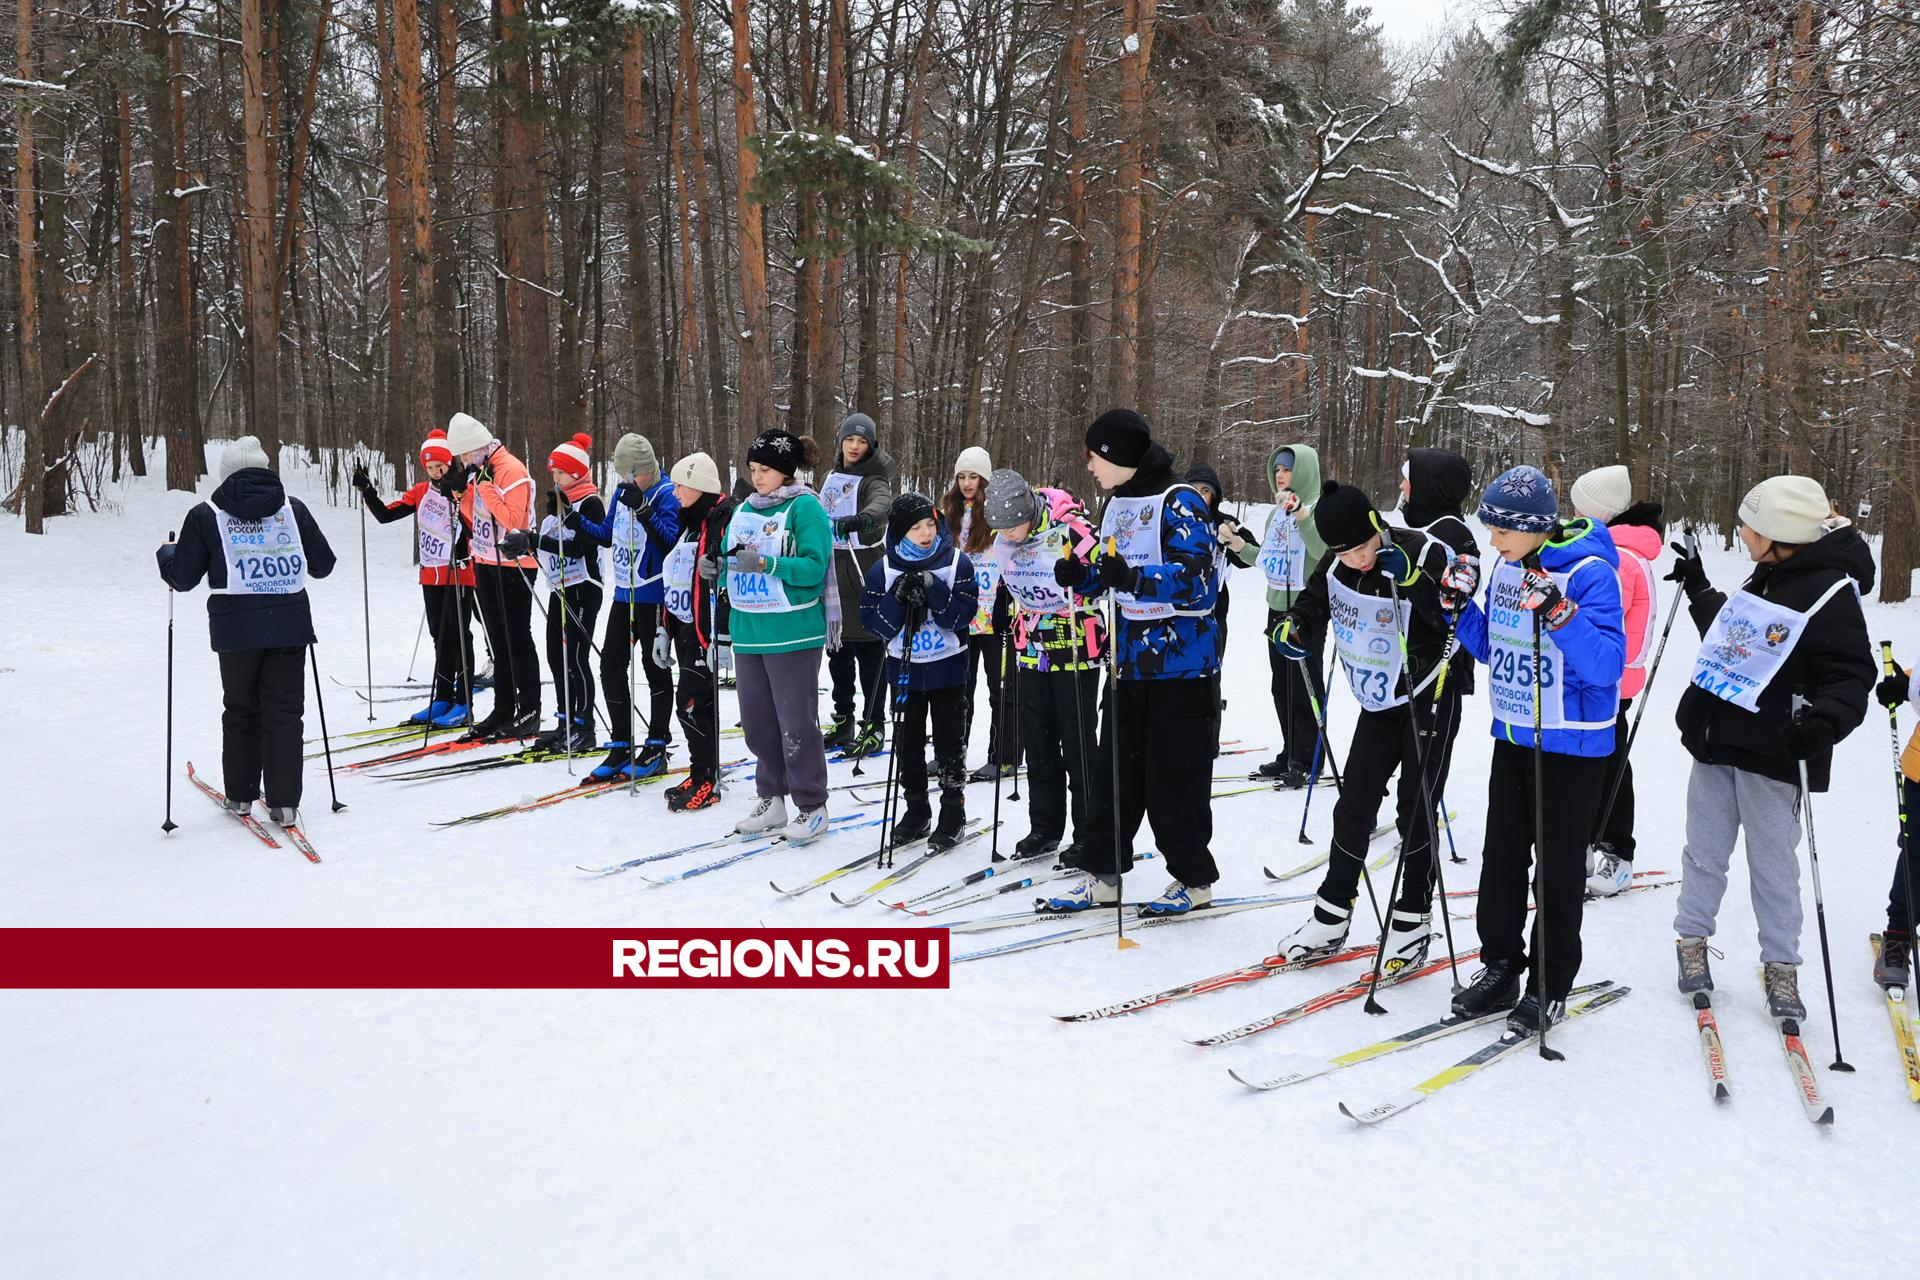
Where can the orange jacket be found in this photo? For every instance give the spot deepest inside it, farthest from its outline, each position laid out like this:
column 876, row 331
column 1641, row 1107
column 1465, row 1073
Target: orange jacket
column 505, row 492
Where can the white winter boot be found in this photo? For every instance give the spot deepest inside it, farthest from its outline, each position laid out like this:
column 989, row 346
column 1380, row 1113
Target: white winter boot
column 768, row 814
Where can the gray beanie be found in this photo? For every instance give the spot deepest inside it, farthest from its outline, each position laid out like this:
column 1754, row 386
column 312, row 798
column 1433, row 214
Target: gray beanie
column 1009, row 501
column 241, row 454
column 634, row 455
column 859, row 424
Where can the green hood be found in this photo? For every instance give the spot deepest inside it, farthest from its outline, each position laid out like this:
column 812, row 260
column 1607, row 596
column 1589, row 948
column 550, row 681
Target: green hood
column 1306, row 483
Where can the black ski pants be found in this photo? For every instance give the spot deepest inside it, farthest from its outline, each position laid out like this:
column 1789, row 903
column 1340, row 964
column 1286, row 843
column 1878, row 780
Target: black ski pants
column 1161, row 729
column 1618, row 834
column 947, row 710
column 449, row 619
column 570, row 652
column 264, row 692
column 505, row 598
column 694, row 703
column 865, row 655
column 1292, row 700
column 1571, row 790
column 1003, row 743
column 1058, row 736
column 630, row 627
column 1383, row 743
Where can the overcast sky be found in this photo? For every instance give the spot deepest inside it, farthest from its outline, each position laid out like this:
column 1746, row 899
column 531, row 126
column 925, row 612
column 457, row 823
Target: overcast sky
column 1403, row 20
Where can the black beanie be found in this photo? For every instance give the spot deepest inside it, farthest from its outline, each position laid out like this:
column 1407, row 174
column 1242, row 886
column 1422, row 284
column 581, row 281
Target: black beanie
column 777, row 449
column 1121, row 436
column 1344, row 517
column 908, row 510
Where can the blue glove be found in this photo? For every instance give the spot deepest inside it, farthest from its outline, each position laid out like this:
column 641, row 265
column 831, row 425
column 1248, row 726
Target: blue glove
column 1397, row 564
column 1289, row 640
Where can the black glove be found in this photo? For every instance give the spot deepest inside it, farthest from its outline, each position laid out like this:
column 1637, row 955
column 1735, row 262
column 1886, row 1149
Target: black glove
column 910, row 589
column 1687, row 570
column 163, row 555
column 553, row 503
column 629, row 495
column 1069, row 571
column 516, row 542
column 361, row 480
column 1116, row 574
column 1810, row 735
column 1892, row 691
column 844, row 525
column 571, row 521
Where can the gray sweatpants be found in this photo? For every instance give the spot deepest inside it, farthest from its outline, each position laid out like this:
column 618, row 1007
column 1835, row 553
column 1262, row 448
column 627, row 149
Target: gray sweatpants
column 1723, row 802
column 780, row 712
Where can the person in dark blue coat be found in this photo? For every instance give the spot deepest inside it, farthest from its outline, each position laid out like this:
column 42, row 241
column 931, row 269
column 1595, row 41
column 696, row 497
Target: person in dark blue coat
column 919, row 599
column 1552, row 606
column 256, row 548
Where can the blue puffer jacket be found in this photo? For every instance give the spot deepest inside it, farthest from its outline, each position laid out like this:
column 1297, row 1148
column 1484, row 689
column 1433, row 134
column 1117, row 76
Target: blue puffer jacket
column 951, row 607
column 662, row 525
column 1592, row 645
column 1183, row 647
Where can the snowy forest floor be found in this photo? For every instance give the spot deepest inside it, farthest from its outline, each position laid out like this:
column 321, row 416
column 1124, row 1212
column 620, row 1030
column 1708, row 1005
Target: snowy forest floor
column 940, row 1133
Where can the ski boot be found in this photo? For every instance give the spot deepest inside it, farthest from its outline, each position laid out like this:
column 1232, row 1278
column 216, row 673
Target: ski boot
column 429, row 714
column 1408, row 939
column 769, row 813
column 1088, row 892
column 1530, row 1019
column 619, row 755
column 525, row 726
column 650, row 759
column 869, row 741
column 456, row 714
column 692, row 793
column 838, row 734
column 1324, row 933
column 953, row 824
column 913, row 823
column 990, row 771
column 1783, row 991
column 806, row 825
column 242, row 807
column 1177, row 899
column 1495, row 989
column 1034, row 845
column 1894, row 968
column 1696, row 975
column 283, row 815
column 1611, row 873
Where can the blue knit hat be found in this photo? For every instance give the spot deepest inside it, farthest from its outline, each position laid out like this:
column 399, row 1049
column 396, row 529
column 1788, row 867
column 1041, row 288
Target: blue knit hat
column 1521, row 499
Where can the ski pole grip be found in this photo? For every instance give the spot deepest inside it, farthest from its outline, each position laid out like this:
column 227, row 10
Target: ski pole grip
column 1887, row 666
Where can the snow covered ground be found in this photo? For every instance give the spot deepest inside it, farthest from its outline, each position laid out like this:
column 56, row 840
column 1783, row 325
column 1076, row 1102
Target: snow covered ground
column 941, row 1133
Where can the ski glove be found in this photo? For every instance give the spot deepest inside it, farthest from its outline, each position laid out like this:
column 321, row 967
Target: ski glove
column 1290, row 640
column 1687, row 570
column 553, row 503
column 1458, row 582
column 1892, row 691
column 723, row 657
column 361, row 480
column 1810, row 735
column 708, row 567
column 629, row 495
column 1117, row 575
column 910, row 589
column 1538, row 591
column 747, row 560
column 1069, row 571
column 516, row 542
column 1228, row 534
column 1397, row 564
column 1289, row 501
column 844, row 525
column 662, row 649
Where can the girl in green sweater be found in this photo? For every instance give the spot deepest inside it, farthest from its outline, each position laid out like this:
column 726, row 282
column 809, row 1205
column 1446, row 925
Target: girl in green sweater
column 780, row 548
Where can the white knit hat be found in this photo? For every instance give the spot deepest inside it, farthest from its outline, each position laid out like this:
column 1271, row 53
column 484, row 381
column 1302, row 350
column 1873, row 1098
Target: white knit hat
column 696, row 471
column 974, row 459
column 1603, row 493
column 465, row 433
column 1792, row 509
column 241, row 454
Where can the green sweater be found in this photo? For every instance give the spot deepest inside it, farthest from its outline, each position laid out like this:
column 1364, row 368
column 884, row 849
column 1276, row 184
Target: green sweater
column 802, row 567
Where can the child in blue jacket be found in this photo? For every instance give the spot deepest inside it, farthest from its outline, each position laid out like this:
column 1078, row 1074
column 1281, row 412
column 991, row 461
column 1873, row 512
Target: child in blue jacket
column 919, row 599
column 1552, row 604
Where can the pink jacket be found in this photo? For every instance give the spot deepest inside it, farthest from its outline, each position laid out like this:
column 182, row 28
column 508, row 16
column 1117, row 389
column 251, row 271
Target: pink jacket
column 1639, row 547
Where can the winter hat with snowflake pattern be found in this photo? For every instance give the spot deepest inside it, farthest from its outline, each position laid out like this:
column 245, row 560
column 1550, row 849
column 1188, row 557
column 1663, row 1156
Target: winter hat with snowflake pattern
column 1520, row 498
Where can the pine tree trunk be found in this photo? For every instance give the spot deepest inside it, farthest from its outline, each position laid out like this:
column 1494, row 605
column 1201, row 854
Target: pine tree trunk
column 1134, row 63
column 756, row 375
column 127, row 409
column 33, row 389
column 413, row 405
column 172, row 354
column 257, row 226
column 531, row 416
column 645, row 344
column 824, row 376
column 446, row 348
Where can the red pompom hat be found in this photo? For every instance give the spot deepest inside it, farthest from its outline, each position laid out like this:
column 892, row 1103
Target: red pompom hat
column 572, row 457
column 435, row 448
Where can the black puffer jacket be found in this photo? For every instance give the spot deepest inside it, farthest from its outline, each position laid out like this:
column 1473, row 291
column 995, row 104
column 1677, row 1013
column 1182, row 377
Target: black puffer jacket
column 1426, row 620
column 246, row 622
column 1832, row 666
column 850, row 565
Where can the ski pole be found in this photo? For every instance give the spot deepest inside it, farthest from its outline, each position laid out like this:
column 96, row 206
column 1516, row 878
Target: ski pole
column 890, row 797
column 167, row 823
column 366, row 607
column 1839, row 1062
column 1892, row 670
column 418, row 632
column 991, row 744
column 1633, row 730
column 1540, row 853
column 633, row 573
column 1121, row 941
column 320, row 700
column 1013, row 792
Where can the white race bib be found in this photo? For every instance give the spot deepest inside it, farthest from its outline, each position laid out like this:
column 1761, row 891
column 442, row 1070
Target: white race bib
column 767, row 534
column 986, row 576
column 678, row 575
column 932, row 641
column 1366, row 634
column 1510, row 653
column 1027, row 569
column 1750, row 639
column 487, row 528
column 840, row 495
column 1135, row 524
column 1283, row 555
column 264, row 557
column 433, row 529
column 559, row 572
